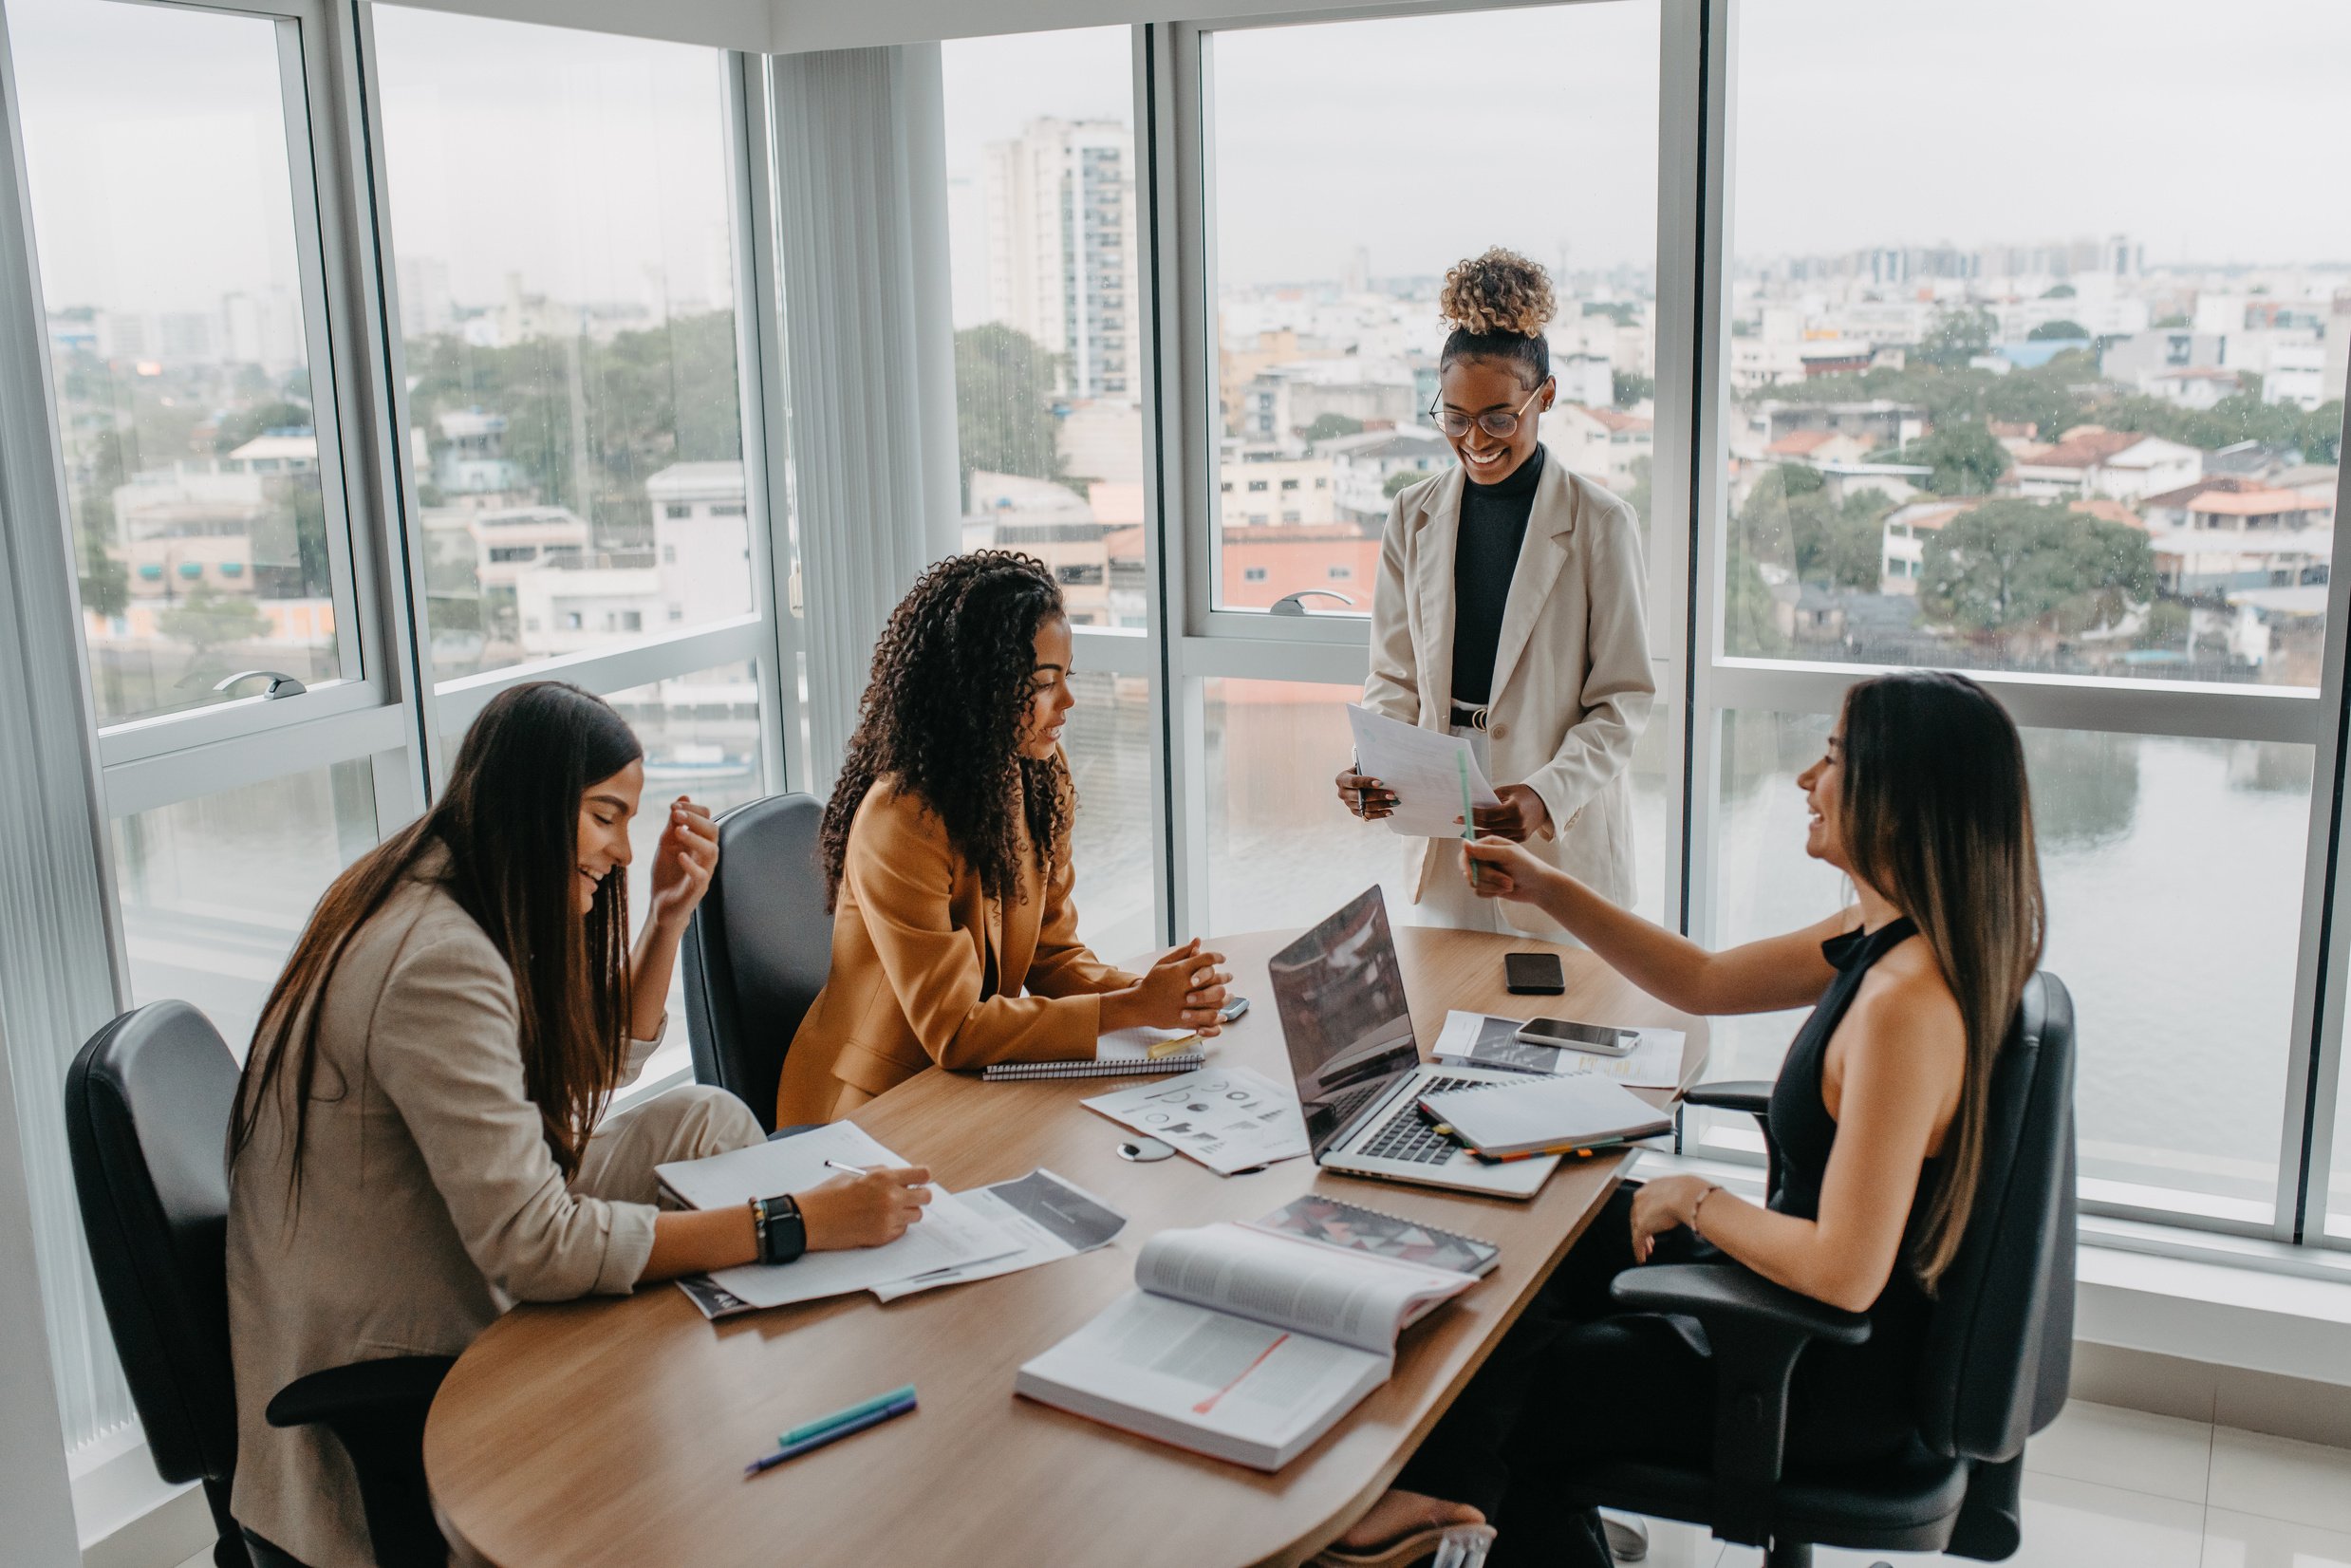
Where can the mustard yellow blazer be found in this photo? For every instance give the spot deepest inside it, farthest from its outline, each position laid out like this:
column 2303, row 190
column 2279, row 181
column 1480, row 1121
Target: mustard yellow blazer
column 927, row 968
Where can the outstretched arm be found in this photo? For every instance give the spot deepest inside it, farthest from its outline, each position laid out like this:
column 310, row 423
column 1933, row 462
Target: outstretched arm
column 1757, row 976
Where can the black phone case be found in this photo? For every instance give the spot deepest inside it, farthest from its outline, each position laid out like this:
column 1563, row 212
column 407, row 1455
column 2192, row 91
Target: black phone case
column 1514, row 975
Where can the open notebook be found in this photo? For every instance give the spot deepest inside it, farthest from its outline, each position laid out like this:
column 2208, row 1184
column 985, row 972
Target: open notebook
column 1240, row 1343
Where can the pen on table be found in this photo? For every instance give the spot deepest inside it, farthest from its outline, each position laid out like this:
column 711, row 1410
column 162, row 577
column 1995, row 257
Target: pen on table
column 831, row 1434
column 1469, row 832
column 853, row 1171
column 826, row 1423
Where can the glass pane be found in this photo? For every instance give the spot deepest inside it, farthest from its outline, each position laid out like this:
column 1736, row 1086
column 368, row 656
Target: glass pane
column 566, row 300
column 1326, row 286
column 163, row 211
column 1109, row 745
column 2077, row 425
column 1048, row 339
column 2181, row 1086
column 1282, row 851
column 216, row 890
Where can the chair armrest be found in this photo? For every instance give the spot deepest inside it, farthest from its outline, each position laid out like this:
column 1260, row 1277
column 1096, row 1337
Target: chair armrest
column 363, row 1389
column 377, row 1410
column 1757, row 1330
column 1736, row 1299
column 1752, row 1096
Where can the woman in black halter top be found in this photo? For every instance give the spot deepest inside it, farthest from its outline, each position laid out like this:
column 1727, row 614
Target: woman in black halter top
column 1876, row 1137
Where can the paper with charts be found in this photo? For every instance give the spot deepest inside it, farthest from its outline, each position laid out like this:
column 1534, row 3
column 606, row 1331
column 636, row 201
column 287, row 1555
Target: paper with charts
column 1423, row 768
column 1228, row 1118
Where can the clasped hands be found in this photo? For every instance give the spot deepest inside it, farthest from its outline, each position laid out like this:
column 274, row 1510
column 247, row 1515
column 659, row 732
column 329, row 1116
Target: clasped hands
column 1186, row 988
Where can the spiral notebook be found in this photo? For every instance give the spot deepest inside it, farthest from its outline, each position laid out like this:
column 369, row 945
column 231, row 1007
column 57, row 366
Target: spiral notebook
column 1122, row 1054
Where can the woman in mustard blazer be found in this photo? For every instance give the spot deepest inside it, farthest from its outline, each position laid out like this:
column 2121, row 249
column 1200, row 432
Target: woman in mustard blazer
column 946, row 850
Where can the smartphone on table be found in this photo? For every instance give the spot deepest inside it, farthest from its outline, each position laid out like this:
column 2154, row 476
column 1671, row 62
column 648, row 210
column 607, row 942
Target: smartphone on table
column 1600, row 1038
column 1234, row 1007
column 1533, row 974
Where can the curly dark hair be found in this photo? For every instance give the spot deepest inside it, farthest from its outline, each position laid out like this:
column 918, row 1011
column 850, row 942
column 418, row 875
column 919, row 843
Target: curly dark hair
column 941, row 717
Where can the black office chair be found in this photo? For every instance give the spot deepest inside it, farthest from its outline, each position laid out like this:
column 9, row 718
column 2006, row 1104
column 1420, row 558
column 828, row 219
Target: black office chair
column 147, row 1104
column 758, row 948
column 1998, row 1357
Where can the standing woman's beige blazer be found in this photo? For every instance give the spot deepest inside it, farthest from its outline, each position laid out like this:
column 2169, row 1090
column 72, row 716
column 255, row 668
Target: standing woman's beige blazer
column 1572, row 681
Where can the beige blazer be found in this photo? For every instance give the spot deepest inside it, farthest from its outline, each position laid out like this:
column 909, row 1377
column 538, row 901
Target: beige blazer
column 1572, row 681
column 927, row 968
column 429, row 1203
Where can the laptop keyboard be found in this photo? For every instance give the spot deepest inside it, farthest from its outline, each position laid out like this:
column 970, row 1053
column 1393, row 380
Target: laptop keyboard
column 1408, row 1136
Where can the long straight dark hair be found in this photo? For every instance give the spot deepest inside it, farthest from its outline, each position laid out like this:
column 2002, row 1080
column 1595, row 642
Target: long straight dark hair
column 509, row 822
column 1938, row 817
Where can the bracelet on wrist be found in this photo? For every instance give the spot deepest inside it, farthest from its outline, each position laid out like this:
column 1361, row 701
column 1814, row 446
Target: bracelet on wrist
column 1698, row 1207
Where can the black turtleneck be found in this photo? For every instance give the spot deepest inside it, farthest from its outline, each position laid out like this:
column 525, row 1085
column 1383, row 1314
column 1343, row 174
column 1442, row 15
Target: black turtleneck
column 1485, row 556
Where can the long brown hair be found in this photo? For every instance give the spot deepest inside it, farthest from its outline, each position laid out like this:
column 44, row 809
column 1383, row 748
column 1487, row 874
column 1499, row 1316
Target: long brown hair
column 1938, row 817
column 509, row 822
column 941, row 717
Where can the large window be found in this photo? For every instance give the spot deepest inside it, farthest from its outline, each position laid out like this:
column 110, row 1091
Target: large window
column 1043, row 188
column 564, row 223
column 1319, row 331
column 1334, row 219
column 174, row 196
column 2076, row 434
column 1989, row 417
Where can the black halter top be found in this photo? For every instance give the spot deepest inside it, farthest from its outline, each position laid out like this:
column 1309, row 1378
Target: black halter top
column 1801, row 1132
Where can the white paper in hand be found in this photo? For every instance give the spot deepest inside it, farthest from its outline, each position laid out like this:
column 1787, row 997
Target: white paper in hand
column 1422, row 768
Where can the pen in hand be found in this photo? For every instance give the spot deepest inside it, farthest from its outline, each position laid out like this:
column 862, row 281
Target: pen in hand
column 853, row 1171
column 1469, row 832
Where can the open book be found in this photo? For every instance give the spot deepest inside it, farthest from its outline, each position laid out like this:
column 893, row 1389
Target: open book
column 1240, row 1344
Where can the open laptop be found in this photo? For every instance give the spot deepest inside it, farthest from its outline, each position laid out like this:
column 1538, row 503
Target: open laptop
column 1349, row 1030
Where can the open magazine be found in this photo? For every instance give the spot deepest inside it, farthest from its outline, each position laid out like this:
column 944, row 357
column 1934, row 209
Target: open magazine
column 1240, row 1343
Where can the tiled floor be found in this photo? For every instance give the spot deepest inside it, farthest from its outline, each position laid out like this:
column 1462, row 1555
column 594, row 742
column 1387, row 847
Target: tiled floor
column 2114, row 1486
column 2107, row 1485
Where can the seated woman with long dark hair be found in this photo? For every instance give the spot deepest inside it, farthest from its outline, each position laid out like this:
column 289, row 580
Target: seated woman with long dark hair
column 947, row 858
column 419, row 1139
column 1877, row 1127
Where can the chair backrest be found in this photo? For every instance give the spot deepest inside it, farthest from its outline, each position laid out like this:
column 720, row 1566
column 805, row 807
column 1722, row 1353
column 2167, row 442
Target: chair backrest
column 759, row 947
column 2000, row 1349
column 147, row 1106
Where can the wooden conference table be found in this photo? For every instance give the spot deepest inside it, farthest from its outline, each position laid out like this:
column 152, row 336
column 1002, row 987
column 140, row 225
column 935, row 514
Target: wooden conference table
column 616, row 1430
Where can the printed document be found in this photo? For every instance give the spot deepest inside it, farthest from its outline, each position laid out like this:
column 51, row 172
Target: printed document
column 1423, row 769
column 1487, row 1040
column 1050, row 1219
column 1228, row 1118
column 1240, row 1343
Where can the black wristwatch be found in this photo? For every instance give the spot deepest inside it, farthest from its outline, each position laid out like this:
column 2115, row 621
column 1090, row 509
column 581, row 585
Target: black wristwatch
column 781, row 1231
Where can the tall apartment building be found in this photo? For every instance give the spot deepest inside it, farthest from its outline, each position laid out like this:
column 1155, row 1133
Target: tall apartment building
column 1061, row 250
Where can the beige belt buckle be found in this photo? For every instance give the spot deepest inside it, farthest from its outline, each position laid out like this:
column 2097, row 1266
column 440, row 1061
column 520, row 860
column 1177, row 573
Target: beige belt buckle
column 1478, row 717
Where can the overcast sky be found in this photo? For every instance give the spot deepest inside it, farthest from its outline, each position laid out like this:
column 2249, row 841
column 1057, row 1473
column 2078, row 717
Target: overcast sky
column 595, row 166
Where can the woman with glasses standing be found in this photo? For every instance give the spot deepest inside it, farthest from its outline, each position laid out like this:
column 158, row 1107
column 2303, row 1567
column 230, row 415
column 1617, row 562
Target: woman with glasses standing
column 1511, row 610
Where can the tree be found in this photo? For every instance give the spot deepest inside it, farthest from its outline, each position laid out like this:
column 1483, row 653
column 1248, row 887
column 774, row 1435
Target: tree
column 242, row 425
column 1627, row 389
column 2059, row 328
column 1396, row 483
column 2011, row 562
column 105, row 580
column 1790, row 519
column 1967, row 459
column 1328, row 425
column 2060, row 291
column 1004, row 403
column 206, row 620
column 1956, row 334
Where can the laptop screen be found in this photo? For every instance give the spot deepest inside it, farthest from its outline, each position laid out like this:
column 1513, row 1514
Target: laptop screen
column 1344, row 1018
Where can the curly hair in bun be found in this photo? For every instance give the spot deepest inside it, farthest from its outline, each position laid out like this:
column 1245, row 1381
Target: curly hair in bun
column 1498, row 305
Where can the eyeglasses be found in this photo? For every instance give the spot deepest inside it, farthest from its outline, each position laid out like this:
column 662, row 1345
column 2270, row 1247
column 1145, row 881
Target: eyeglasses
column 1497, row 425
